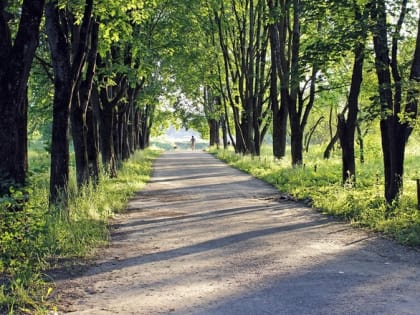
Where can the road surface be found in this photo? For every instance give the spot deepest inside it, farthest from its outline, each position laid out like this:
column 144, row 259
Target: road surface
column 204, row 238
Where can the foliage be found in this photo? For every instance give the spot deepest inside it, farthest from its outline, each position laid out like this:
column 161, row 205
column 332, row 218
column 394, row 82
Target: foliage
column 169, row 51
column 33, row 239
column 318, row 183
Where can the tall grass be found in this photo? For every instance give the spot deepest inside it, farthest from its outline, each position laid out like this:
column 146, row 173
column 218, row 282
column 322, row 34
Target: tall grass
column 318, row 182
column 34, row 239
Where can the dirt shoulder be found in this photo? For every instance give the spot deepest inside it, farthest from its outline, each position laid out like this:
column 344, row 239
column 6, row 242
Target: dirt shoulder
column 204, row 238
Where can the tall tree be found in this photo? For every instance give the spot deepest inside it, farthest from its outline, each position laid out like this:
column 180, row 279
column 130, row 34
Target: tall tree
column 110, row 96
column 243, row 39
column 68, row 61
column 347, row 126
column 285, row 34
column 16, row 57
column 81, row 103
column 278, row 27
column 212, row 109
column 395, row 131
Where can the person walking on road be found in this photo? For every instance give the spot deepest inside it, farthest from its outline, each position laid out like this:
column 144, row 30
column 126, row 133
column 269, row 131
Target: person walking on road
column 192, row 143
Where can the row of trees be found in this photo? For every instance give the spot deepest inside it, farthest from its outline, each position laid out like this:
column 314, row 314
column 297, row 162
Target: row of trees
column 101, row 60
column 248, row 68
column 278, row 60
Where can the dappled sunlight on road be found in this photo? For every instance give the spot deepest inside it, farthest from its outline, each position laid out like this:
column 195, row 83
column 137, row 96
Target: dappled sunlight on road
column 207, row 239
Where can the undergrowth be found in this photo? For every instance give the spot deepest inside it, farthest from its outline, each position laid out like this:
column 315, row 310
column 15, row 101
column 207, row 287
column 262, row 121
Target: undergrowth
column 318, row 182
column 33, row 239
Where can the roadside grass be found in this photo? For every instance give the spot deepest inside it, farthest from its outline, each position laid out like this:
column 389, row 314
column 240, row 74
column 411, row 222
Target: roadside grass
column 318, row 183
column 34, row 239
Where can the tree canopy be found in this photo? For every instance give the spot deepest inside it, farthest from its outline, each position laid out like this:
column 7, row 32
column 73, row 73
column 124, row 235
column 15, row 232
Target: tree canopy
column 114, row 72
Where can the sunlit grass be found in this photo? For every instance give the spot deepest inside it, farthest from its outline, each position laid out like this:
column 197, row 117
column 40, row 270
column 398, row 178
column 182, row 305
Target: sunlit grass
column 35, row 239
column 318, row 182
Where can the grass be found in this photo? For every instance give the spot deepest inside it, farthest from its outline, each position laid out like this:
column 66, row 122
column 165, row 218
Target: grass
column 318, row 183
column 34, row 239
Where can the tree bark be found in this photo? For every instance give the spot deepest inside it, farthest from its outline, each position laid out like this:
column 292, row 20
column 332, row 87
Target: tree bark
column 106, row 115
column 80, row 104
column 279, row 109
column 309, row 135
column 330, row 146
column 361, row 144
column 347, row 128
column 125, row 145
column 414, row 93
column 145, row 124
column 79, row 133
column 214, row 132
column 394, row 131
column 68, row 59
column 16, row 58
column 224, row 132
column 92, row 138
column 60, row 56
column 109, row 97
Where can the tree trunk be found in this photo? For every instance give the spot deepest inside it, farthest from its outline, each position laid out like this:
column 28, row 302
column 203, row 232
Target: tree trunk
column 109, row 97
column 347, row 128
column 142, row 128
column 92, row 139
column 81, row 101
column 334, row 138
column 311, row 132
column 79, row 135
column 286, row 39
column 125, row 145
column 60, row 56
column 224, row 132
column 346, row 137
column 145, row 125
column 280, row 69
column 131, row 130
column 214, row 132
column 296, row 141
column 394, row 133
column 106, row 130
column 16, row 58
column 68, row 59
column 106, row 114
column 361, row 144
column 244, row 64
column 279, row 117
column 116, row 135
column 330, row 146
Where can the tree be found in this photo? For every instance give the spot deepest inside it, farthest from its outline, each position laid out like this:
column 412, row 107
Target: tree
column 278, row 29
column 395, row 131
column 109, row 98
column 212, row 109
column 347, row 127
column 73, row 33
column 16, row 57
column 81, row 123
column 286, row 45
column 68, row 59
column 244, row 44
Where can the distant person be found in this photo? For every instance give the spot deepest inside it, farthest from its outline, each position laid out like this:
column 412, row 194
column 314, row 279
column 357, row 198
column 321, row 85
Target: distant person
column 192, row 143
